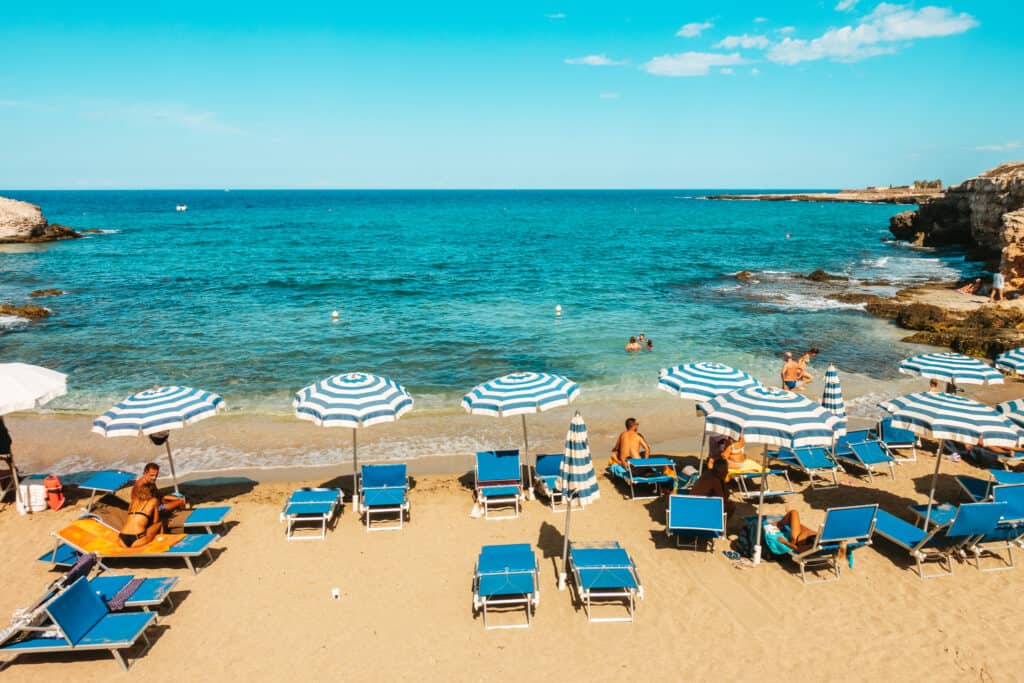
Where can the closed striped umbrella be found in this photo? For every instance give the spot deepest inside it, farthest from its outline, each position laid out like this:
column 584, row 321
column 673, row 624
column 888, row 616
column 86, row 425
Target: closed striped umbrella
column 576, row 479
column 158, row 410
column 352, row 400
column 950, row 417
column 702, row 381
column 832, row 399
column 955, row 368
column 1011, row 361
column 1013, row 410
column 521, row 393
column 772, row 417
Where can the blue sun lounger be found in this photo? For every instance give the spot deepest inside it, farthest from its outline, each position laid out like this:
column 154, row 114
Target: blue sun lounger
column 644, row 472
column 206, row 518
column 382, row 491
column 971, row 521
column 1009, row 532
column 851, row 526
column 78, row 620
column 506, row 576
column 499, row 481
column 318, row 507
column 545, row 473
column 696, row 517
column 898, row 439
column 866, row 455
column 979, row 490
column 604, row 572
column 104, row 483
column 813, row 461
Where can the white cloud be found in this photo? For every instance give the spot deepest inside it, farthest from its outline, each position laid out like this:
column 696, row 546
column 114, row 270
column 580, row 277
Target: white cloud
column 744, row 41
column 556, row 15
column 690, row 63
column 786, row 30
column 593, row 60
column 175, row 115
column 755, row 71
column 1005, row 147
column 874, row 35
column 727, row 71
column 610, row 95
column 846, row 5
column 694, row 29
column 759, row 20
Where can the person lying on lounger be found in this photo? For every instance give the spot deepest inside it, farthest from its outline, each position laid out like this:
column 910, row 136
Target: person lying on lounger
column 789, row 532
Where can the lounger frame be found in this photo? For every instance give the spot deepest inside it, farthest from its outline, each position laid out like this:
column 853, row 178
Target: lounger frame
column 750, row 491
column 528, row 600
column 851, row 457
column 318, row 510
column 499, row 492
column 893, row 445
column 544, row 480
column 706, row 533
column 634, row 479
column 818, row 477
column 625, row 594
column 399, row 509
column 825, row 551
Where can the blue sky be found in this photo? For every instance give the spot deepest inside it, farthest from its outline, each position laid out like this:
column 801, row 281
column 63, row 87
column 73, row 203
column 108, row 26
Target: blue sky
column 555, row 94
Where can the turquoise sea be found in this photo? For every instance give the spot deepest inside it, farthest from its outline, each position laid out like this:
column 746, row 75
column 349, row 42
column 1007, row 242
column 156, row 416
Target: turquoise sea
column 442, row 289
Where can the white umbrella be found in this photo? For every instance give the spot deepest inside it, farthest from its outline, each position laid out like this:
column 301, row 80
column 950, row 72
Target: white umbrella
column 158, row 410
column 27, row 387
column 954, row 368
column 576, row 480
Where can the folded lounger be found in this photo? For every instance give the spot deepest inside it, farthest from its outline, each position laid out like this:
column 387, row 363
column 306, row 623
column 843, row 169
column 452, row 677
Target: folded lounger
column 545, row 474
column 382, row 491
column 1009, row 531
column 979, row 490
column 499, row 481
column 506, row 575
column 311, row 506
column 970, row 522
column 898, row 440
column 604, row 572
column 104, row 483
column 850, row 526
column 90, row 535
column 867, row 455
column 813, row 461
column 76, row 620
column 697, row 517
column 644, row 472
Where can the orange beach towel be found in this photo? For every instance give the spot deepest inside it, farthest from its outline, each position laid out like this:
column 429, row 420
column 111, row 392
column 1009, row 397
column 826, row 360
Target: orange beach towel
column 93, row 536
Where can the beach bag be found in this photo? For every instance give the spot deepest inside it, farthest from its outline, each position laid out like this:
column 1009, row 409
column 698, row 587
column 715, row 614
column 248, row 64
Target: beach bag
column 54, row 492
column 747, row 538
column 33, row 498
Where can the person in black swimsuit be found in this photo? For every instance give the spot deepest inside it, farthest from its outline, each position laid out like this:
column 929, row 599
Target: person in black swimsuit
column 143, row 523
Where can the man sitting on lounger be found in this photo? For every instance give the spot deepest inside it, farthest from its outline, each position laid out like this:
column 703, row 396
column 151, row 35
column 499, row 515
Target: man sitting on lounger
column 712, row 483
column 629, row 444
column 166, row 504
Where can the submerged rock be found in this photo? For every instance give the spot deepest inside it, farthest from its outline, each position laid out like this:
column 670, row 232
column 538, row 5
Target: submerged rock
column 29, row 311
column 24, row 222
column 820, row 275
column 46, row 292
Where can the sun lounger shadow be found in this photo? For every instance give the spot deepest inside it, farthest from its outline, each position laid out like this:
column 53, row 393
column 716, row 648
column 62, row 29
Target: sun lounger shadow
column 656, row 508
column 468, row 481
column 946, row 486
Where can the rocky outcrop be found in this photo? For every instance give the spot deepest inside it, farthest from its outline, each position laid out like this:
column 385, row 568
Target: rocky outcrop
column 35, row 293
column 973, row 215
column 877, row 195
column 24, row 222
column 29, row 311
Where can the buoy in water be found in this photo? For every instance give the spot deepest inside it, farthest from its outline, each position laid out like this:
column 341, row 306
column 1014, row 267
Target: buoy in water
column 558, row 309
column 334, row 315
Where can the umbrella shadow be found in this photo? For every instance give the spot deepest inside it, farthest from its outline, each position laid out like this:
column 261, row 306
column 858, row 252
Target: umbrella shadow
column 947, row 490
column 551, row 542
column 345, row 482
column 216, row 489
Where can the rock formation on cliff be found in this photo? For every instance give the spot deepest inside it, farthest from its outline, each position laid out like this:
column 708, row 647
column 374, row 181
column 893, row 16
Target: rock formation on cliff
column 24, row 222
column 983, row 214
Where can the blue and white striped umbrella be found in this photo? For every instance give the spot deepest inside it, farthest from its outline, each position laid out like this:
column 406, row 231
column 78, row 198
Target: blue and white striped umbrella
column 833, row 398
column 353, row 400
column 1013, row 410
column 951, row 367
column 520, row 393
column 942, row 417
column 576, row 480
column 158, row 410
column 770, row 416
column 702, row 381
column 1011, row 361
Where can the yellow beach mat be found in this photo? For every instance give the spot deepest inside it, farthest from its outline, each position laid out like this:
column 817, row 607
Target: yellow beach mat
column 748, row 466
column 92, row 536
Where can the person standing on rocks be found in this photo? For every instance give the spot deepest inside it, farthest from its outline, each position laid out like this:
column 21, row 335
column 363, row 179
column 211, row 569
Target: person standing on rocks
column 998, row 285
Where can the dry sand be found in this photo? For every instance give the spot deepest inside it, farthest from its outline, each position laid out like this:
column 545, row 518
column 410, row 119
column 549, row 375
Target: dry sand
column 262, row 609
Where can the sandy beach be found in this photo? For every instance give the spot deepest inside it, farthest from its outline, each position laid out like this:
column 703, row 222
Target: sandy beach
column 262, row 609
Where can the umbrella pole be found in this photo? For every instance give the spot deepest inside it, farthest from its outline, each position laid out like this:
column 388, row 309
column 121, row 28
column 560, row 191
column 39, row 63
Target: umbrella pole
column 563, row 575
column 526, row 457
column 170, row 459
column 703, row 439
column 355, row 472
column 760, row 505
column 17, row 485
column 935, row 479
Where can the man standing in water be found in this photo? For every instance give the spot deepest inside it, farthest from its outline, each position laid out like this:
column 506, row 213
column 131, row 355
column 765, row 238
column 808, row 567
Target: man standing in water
column 629, row 444
column 791, row 372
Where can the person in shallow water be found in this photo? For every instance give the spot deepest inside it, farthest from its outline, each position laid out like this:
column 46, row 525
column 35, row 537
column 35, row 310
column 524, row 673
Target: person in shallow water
column 791, row 372
column 650, row 344
column 805, row 376
column 633, row 345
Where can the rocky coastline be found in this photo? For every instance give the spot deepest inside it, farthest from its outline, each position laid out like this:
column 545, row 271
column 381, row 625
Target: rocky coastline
column 875, row 195
column 21, row 222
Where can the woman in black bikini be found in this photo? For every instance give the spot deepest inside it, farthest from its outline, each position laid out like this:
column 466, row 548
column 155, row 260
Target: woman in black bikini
column 143, row 523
